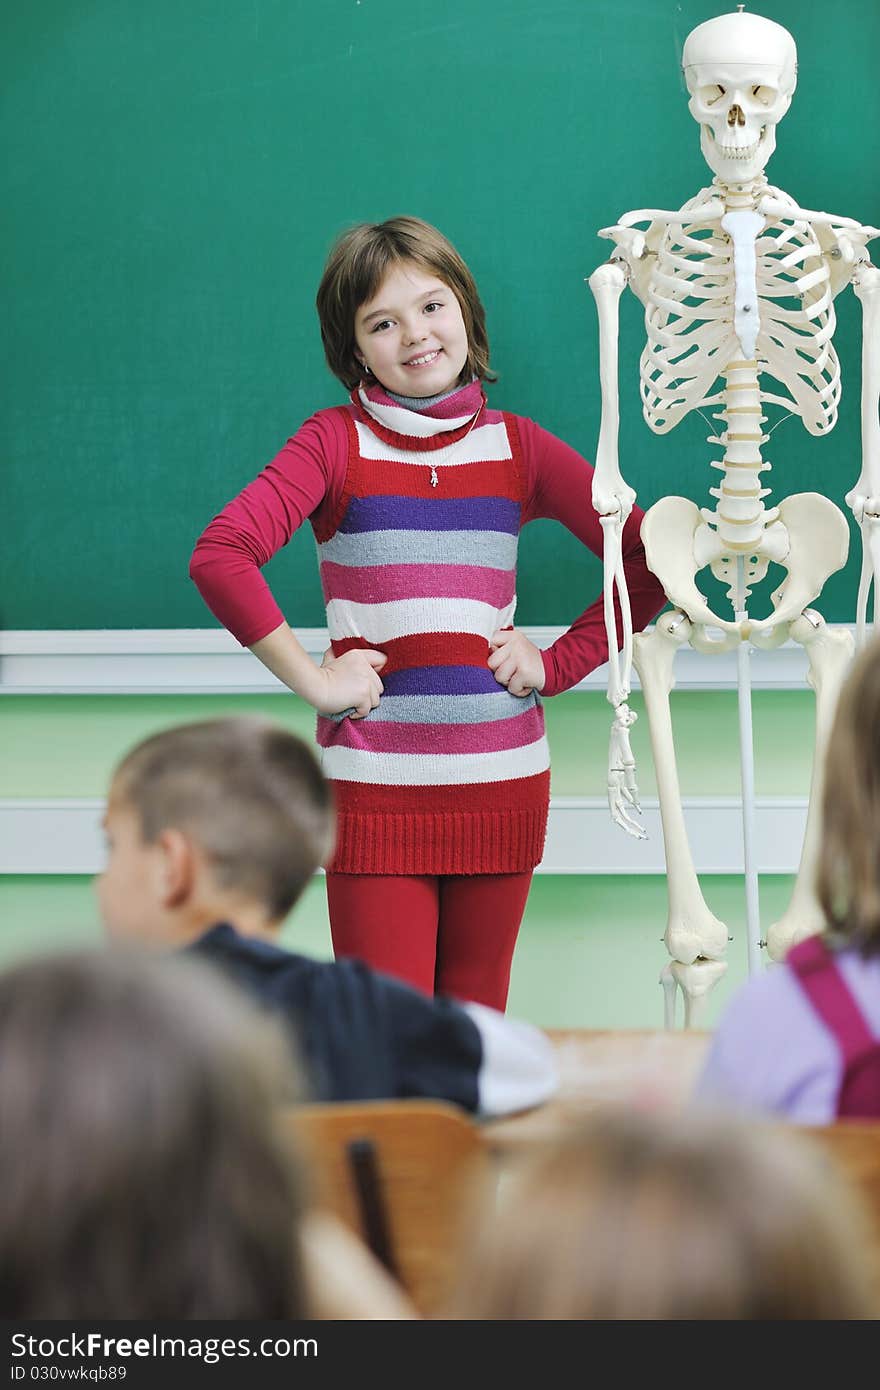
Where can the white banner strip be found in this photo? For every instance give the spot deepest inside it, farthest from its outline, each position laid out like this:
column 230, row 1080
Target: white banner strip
column 204, row 661
column 64, row 837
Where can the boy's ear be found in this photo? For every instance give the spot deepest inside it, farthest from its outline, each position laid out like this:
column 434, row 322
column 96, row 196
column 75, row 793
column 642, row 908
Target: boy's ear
column 177, row 867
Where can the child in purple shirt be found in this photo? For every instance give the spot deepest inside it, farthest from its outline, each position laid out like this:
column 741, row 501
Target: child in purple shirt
column 803, row 1039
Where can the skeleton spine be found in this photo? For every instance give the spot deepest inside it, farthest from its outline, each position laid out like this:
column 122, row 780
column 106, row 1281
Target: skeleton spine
column 740, row 517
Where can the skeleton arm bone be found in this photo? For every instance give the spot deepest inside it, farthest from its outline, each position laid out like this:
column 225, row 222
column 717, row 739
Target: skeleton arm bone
column 866, row 493
column 634, row 256
column 622, row 787
column 612, row 498
column 613, row 501
column 619, row 672
column 864, row 498
column 611, row 495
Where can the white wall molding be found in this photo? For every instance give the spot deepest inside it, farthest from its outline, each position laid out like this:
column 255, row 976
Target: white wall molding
column 205, row 661
column 63, row 836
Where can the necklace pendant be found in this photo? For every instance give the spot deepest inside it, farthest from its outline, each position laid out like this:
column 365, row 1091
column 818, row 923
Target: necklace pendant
column 433, row 476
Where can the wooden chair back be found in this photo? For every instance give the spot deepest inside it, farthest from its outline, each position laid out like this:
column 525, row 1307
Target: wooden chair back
column 398, row 1174
column 854, row 1147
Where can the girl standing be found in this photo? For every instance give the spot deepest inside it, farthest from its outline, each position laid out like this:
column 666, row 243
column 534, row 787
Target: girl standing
column 429, row 720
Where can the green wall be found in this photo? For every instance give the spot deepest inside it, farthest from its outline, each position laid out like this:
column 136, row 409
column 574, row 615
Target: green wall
column 56, row 745
column 589, row 953
column 590, row 950
column 177, row 172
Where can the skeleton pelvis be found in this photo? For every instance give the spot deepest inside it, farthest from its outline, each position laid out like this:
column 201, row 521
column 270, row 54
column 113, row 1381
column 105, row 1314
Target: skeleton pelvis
column 810, row 540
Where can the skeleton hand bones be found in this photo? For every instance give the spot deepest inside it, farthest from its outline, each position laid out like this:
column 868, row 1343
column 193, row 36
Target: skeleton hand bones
column 622, row 788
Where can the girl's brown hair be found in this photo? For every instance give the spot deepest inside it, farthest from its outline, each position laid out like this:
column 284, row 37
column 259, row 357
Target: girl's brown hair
column 670, row 1217
column 356, row 267
column 848, row 876
column 142, row 1171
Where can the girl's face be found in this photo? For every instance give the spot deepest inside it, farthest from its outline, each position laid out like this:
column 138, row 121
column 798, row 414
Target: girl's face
column 411, row 333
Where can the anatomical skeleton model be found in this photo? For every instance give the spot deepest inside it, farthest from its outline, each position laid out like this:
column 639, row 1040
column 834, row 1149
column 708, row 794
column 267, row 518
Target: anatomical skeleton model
column 738, row 288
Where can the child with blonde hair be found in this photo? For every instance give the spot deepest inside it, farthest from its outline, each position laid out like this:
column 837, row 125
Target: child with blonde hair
column 650, row 1215
column 429, row 711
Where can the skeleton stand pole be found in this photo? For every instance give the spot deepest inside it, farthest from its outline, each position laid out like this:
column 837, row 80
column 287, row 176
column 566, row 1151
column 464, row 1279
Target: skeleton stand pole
column 747, row 780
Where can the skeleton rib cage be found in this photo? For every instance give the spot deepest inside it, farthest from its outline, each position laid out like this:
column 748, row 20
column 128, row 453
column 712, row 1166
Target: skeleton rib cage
column 690, row 331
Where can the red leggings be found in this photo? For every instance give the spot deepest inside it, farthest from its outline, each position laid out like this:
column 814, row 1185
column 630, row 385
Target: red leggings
column 452, row 934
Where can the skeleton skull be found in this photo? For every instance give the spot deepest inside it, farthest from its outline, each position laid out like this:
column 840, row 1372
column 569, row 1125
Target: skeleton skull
column 741, row 72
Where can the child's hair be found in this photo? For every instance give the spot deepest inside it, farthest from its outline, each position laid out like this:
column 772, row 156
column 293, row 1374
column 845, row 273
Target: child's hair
column 673, row 1216
column 355, row 268
column 142, row 1174
column 848, row 875
column 251, row 795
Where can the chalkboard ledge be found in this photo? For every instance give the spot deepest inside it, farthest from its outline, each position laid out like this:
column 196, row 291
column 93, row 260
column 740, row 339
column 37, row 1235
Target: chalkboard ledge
column 187, row 661
column 63, row 836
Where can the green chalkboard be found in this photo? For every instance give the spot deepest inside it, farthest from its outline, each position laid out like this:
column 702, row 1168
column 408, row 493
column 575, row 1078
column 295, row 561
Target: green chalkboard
column 176, row 171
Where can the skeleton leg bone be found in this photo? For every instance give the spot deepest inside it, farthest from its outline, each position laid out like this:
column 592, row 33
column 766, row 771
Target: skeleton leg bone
column 670, row 993
column 869, row 528
column 818, row 544
column 695, row 982
column 829, row 650
column 866, row 576
column 694, row 936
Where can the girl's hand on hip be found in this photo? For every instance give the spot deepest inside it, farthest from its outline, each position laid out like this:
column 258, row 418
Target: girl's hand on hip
column 350, row 682
column 516, row 662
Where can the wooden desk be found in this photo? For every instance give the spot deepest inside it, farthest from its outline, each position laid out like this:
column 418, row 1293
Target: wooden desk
column 648, row 1068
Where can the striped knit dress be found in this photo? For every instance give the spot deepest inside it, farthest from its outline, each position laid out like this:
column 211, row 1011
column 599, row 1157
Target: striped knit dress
column 450, row 774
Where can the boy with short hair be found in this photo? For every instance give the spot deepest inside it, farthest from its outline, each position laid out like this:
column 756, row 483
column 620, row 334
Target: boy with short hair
column 213, row 831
